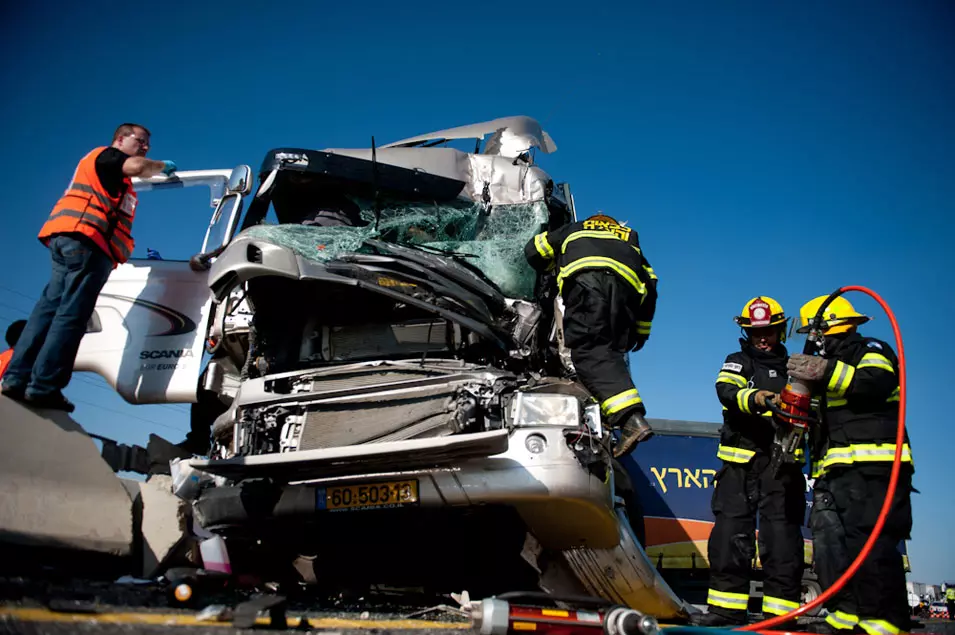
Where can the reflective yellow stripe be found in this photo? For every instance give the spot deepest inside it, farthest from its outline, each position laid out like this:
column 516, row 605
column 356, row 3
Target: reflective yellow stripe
column 879, row 627
column 861, row 453
column 838, row 619
column 600, row 262
column 735, row 601
column 742, row 399
column 589, row 234
column 876, row 360
column 836, row 403
column 842, row 376
column 643, row 328
column 650, row 272
column 730, row 378
column 734, row 455
column 778, row 606
column 620, row 401
column 543, row 246
column 894, row 396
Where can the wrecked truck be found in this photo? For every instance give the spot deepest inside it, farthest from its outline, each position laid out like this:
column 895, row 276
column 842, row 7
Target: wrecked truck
column 390, row 398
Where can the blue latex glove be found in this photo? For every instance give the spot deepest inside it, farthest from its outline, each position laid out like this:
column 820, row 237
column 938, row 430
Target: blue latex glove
column 170, row 168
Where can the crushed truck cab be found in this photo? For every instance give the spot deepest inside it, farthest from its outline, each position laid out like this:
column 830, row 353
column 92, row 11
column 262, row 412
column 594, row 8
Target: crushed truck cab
column 388, row 390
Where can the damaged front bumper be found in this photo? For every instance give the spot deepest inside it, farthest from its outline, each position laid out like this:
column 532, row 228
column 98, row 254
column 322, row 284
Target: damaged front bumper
column 534, row 470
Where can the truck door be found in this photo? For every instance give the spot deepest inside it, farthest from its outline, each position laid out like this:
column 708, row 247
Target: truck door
column 147, row 334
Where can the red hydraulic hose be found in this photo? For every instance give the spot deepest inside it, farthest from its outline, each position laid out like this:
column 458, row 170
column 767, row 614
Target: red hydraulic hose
column 889, row 494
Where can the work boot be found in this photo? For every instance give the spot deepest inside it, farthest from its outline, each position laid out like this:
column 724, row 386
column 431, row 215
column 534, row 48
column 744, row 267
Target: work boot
column 823, row 628
column 15, row 392
column 633, row 430
column 50, row 401
column 711, row 618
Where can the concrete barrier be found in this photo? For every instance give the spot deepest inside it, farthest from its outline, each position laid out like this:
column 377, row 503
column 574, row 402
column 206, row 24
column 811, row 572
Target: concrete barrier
column 55, row 489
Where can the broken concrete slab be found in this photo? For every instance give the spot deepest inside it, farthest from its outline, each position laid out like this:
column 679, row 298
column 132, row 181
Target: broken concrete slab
column 163, row 522
column 55, row 488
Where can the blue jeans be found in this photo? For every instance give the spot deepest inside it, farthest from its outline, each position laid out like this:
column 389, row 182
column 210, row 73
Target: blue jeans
column 42, row 362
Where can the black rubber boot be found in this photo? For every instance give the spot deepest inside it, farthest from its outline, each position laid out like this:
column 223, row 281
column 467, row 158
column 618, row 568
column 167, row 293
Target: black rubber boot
column 717, row 619
column 633, row 430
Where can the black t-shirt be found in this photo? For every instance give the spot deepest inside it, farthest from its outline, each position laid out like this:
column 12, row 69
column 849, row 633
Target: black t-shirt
column 109, row 169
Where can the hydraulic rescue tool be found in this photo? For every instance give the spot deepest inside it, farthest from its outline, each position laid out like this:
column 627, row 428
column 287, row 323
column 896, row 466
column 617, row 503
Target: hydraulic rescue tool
column 498, row 616
column 792, row 421
column 793, row 414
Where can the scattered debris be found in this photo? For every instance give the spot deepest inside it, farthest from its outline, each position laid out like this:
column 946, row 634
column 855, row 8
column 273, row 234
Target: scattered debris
column 215, row 613
column 128, row 579
column 246, row 613
column 462, row 610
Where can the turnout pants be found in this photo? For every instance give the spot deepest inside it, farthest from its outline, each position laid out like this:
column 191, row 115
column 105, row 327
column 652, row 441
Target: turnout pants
column 846, row 503
column 599, row 329
column 742, row 490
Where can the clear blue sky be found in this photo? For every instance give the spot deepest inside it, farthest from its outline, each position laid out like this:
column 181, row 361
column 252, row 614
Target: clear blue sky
column 759, row 148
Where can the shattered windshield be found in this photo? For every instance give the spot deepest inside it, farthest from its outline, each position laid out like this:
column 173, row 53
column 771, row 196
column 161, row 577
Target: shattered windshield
column 494, row 242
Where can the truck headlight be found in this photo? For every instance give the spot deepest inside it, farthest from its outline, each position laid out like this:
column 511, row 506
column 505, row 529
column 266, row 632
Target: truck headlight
column 545, row 409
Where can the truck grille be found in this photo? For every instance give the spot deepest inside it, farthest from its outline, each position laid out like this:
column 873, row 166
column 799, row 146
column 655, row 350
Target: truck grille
column 428, row 412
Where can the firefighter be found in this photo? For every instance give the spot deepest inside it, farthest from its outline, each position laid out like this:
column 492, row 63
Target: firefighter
column 609, row 292
column 950, row 601
column 746, row 484
column 856, row 380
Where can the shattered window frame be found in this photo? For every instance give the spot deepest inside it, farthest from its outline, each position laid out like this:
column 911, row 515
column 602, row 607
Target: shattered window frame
column 491, row 239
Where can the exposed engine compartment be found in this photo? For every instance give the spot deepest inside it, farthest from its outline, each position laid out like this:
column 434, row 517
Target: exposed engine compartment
column 370, row 347
column 365, row 403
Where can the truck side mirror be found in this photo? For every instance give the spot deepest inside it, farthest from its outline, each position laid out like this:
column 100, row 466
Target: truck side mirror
column 240, row 181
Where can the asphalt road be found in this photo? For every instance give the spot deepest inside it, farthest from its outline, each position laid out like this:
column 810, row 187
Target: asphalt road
column 110, row 609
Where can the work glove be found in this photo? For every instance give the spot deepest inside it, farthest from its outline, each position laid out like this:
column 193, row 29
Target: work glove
column 809, row 368
column 764, row 396
column 169, row 168
column 640, row 342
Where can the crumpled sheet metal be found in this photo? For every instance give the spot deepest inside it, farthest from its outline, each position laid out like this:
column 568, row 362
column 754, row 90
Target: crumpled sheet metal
column 497, row 246
column 508, row 183
column 509, row 135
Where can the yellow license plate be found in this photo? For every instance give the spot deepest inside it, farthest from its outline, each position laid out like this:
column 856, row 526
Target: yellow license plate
column 369, row 495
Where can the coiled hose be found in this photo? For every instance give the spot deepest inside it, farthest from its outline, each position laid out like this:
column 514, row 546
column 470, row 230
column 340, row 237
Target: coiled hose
column 893, row 479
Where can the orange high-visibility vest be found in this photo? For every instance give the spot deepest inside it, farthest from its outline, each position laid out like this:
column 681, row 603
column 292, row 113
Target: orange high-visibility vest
column 87, row 208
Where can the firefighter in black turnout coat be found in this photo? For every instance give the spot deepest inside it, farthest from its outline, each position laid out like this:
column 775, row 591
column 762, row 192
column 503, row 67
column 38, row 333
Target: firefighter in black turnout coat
column 609, row 292
column 746, row 484
column 856, row 380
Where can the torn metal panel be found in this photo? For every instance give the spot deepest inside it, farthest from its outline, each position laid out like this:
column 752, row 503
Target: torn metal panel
column 509, row 181
column 510, row 136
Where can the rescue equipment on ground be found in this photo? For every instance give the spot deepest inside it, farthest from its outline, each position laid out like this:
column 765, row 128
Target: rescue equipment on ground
column 497, row 616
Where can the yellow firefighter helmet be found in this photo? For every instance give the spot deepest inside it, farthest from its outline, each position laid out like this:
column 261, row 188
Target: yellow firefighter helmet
column 600, row 217
column 839, row 317
column 759, row 312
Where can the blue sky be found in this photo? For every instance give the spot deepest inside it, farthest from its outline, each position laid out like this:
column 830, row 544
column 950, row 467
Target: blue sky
column 759, row 148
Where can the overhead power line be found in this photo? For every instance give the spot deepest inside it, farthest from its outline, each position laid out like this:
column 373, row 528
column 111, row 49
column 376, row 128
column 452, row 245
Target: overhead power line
column 125, row 414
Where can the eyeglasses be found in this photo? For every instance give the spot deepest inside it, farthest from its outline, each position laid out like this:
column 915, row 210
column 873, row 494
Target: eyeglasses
column 140, row 140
